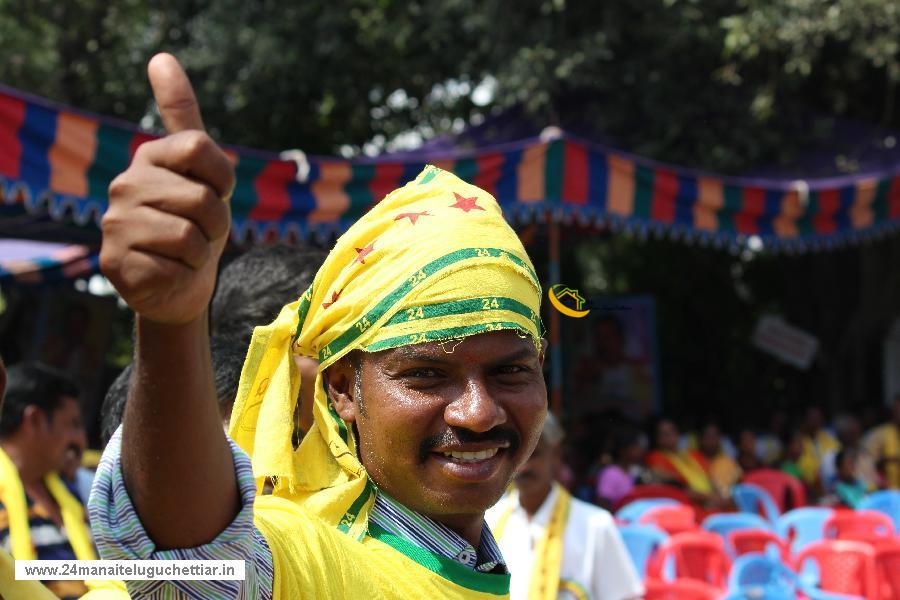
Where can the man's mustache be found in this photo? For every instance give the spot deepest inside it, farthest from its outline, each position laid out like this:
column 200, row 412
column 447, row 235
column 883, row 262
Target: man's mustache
column 456, row 436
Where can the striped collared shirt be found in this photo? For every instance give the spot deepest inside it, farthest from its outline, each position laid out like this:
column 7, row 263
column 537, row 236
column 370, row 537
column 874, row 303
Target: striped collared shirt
column 436, row 537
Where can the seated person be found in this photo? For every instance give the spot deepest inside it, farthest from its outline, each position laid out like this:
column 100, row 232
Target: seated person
column 617, row 479
column 686, row 468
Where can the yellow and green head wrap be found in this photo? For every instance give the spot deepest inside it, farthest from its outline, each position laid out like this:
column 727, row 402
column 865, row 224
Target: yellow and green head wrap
column 435, row 260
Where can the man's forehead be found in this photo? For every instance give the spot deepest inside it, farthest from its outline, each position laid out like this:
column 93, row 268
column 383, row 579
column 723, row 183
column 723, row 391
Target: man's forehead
column 482, row 347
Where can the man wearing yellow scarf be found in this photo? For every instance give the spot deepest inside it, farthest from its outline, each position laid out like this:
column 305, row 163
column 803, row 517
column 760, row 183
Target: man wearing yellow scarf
column 557, row 546
column 40, row 519
column 429, row 393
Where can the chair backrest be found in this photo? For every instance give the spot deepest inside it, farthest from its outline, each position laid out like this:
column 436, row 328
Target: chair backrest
column 787, row 491
column 642, row 542
column 761, row 576
column 656, row 490
column 722, row 523
column 846, row 567
column 860, row 525
column 802, row 525
column 751, row 498
column 694, row 555
column 745, row 541
column 680, row 589
column 672, row 519
column 633, row 511
column 887, row 569
column 886, row 501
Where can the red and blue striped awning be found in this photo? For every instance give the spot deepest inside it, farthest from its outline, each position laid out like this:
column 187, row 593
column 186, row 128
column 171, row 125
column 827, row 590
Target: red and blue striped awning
column 61, row 160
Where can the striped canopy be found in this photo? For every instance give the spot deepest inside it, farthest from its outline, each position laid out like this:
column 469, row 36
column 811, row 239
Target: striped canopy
column 61, row 160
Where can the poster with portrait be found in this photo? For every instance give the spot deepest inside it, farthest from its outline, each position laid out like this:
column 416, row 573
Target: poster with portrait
column 612, row 365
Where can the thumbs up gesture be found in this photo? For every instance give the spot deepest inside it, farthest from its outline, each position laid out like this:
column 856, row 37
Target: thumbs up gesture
column 168, row 216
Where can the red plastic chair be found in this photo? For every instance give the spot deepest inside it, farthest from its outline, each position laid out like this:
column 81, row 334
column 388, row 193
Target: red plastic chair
column 698, row 555
column 674, row 518
column 787, row 491
column 659, row 490
column 860, row 525
column 743, row 541
column 887, row 569
column 846, row 567
column 680, row 589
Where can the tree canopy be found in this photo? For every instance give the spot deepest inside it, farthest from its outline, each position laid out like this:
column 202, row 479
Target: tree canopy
column 712, row 83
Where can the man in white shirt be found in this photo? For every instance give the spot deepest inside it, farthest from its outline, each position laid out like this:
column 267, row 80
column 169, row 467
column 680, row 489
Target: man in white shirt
column 557, row 546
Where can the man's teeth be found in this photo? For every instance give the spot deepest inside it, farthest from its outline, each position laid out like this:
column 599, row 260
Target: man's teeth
column 472, row 456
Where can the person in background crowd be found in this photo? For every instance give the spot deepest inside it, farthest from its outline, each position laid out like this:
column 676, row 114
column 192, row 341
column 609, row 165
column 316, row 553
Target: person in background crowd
column 817, row 441
column 227, row 360
column 251, row 290
column 686, row 468
column 748, row 458
column 883, row 443
column 848, row 488
column 76, row 477
column 39, row 517
column 10, row 587
column 849, row 433
column 768, row 443
column 792, row 454
column 617, row 479
column 552, row 541
column 723, row 471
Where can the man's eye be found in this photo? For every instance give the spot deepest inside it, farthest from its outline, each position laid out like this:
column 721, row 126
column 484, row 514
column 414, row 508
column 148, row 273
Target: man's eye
column 511, row 369
column 421, row 373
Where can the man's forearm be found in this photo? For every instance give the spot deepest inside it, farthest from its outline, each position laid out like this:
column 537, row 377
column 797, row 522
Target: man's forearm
column 176, row 462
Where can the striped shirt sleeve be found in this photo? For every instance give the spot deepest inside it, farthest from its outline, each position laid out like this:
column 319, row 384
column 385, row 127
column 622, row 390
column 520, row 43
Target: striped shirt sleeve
column 119, row 535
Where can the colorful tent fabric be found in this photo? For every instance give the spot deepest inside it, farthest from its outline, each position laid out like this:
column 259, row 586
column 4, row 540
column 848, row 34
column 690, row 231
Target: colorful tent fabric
column 62, row 160
column 31, row 262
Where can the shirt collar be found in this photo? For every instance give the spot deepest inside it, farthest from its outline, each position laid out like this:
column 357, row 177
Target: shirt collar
column 436, row 537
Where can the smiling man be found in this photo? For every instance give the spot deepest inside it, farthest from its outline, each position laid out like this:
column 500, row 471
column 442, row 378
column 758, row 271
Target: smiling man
column 429, row 392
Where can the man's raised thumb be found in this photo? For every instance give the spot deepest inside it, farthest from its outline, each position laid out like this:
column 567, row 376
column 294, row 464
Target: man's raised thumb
column 173, row 94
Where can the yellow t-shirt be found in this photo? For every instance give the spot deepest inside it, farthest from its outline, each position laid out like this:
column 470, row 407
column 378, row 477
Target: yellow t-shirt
column 315, row 560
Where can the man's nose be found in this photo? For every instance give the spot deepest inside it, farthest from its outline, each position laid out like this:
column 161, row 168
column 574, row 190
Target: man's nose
column 475, row 409
column 79, row 438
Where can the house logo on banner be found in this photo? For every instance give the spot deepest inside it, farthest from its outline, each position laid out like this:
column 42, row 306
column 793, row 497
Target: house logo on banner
column 561, row 295
column 785, row 342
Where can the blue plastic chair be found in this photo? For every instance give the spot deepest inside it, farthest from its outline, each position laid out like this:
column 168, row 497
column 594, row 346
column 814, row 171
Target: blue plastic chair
column 802, row 525
column 885, row 501
column 761, row 576
column 633, row 511
column 641, row 541
column 722, row 523
column 753, row 499
column 766, row 577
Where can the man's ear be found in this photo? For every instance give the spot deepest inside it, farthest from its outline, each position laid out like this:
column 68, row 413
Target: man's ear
column 33, row 417
column 339, row 380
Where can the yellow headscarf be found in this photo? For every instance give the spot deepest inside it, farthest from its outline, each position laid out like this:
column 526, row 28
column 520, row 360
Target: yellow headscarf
column 434, row 260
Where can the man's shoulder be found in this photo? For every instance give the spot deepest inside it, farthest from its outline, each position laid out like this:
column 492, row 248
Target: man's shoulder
column 593, row 515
